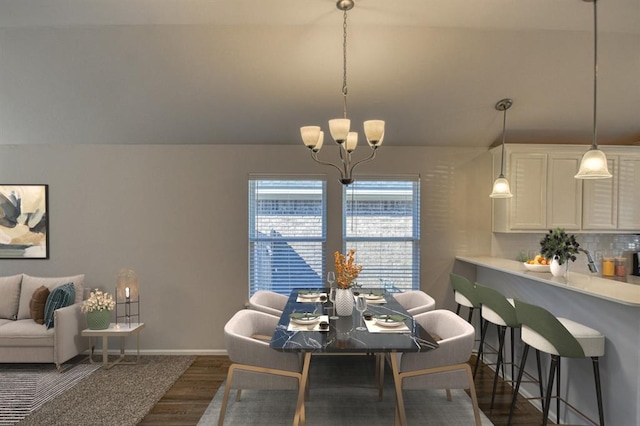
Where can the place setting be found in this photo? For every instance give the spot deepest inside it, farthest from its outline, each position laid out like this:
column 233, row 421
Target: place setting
column 385, row 323
column 311, row 296
column 308, row 321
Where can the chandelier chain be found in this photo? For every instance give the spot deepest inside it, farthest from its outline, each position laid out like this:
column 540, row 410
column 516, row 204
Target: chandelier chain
column 344, row 64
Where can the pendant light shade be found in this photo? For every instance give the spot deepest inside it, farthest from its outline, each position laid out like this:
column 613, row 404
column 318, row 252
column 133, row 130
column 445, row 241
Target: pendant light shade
column 501, row 188
column 593, row 165
column 594, row 162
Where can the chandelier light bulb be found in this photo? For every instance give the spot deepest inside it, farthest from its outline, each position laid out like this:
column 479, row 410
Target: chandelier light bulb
column 352, row 142
column 339, row 128
column 310, row 135
column 374, row 132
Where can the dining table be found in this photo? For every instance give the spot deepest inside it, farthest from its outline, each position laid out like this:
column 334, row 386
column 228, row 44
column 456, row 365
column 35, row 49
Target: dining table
column 308, row 326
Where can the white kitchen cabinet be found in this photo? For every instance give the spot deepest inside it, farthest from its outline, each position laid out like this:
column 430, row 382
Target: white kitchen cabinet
column 546, row 195
column 629, row 193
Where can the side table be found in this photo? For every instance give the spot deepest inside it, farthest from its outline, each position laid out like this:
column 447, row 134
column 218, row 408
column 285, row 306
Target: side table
column 114, row 330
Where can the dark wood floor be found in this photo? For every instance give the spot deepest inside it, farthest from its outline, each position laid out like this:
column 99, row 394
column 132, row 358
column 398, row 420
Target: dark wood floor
column 189, row 397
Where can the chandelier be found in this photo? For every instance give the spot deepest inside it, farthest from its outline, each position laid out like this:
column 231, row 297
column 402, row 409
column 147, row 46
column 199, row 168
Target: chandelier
column 594, row 161
column 313, row 136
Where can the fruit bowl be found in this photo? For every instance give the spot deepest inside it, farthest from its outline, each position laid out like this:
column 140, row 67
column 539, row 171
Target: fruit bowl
column 535, row 267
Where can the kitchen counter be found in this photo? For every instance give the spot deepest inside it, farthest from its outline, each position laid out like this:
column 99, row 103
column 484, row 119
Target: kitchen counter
column 625, row 292
column 606, row 305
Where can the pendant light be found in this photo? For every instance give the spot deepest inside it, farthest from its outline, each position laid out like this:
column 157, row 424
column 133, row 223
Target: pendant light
column 594, row 161
column 501, row 187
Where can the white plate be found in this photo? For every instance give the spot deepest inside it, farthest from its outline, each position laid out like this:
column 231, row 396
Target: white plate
column 313, row 295
column 388, row 323
column 305, row 321
column 373, row 296
column 536, row 267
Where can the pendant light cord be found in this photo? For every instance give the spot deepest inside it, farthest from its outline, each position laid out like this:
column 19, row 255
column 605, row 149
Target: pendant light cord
column 594, row 144
column 504, row 131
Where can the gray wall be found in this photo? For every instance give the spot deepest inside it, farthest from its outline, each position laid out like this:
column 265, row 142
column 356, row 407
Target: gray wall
column 178, row 216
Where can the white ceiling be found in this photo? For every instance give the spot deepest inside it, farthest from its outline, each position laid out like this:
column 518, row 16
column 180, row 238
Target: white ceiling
column 254, row 71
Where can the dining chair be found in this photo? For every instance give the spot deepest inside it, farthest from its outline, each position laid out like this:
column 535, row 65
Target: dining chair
column 254, row 364
column 415, row 301
column 269, row 302
column 446, row 367
column 559, row 337
column 496, row 309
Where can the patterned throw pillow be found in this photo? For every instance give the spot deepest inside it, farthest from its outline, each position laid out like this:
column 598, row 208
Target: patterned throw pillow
column 37, row 304
column 59, row 298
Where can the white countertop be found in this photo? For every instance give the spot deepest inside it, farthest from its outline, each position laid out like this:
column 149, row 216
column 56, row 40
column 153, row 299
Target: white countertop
column 626, row 293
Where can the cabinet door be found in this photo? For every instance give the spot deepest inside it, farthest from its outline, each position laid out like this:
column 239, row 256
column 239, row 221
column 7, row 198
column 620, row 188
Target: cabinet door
column 564, row 192
column 600, row 208
column 528, row 177
column 629, row 193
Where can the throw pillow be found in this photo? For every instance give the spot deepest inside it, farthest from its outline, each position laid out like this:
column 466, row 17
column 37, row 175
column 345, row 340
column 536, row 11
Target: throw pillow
column 9, row 296
column 59, row 298
column 37, row 304
column 30, row 284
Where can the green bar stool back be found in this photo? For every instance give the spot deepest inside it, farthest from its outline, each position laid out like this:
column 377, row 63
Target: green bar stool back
column 496, row 309
column 559, row 337
column 464, row 293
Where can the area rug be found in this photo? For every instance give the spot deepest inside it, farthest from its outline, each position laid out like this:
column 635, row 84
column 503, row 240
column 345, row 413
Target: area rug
column 343, row 392
column 120, row 396
column 24, row 388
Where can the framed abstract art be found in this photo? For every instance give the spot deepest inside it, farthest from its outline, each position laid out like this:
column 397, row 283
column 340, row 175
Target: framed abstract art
column 24, row 222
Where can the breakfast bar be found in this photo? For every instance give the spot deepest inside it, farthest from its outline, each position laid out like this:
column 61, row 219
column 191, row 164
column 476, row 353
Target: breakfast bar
column 610, row 306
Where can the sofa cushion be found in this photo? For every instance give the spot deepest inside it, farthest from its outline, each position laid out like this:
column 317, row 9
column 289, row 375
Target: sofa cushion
column 9, row 296
column 25, row 333
column 60, row 297
column 37, row 304
column 30, row 284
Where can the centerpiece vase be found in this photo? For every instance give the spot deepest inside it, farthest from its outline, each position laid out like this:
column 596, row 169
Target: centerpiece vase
column 98, row 320
column 344, row 302
column 558, row 270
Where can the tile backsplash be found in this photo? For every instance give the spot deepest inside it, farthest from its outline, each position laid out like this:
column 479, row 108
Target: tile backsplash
column 509, row 246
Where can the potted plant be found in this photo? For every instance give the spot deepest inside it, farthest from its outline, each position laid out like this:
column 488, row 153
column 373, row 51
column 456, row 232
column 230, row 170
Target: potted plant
column 98, row 308
column 561, row 248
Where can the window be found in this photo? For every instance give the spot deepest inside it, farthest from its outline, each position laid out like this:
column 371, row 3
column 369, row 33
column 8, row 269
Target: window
column 381, row 222
column 287, row 234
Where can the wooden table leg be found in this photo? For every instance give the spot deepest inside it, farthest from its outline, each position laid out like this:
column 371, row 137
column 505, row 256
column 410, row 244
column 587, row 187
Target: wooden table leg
column 398, row 384
column 300, row 416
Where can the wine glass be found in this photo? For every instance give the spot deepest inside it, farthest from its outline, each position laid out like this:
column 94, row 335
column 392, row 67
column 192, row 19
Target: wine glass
column 332, row 298
column 331, row 278
column 361, row 306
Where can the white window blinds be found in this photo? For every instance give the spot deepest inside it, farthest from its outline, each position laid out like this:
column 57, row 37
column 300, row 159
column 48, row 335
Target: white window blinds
column 287, row 234
column 381, row 222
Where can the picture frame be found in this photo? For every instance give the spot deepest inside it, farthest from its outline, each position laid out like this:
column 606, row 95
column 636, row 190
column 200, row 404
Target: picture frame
column 24, row 221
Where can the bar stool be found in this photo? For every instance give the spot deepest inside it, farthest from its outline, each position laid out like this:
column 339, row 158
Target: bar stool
column 559, row 337
column 497, row 309
column 464, row 293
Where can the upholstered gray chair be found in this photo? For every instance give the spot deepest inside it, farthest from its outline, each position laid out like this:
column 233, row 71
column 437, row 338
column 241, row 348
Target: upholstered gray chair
column 269, row 302
column 415, row 301
column 255, row 365
column 443, row 368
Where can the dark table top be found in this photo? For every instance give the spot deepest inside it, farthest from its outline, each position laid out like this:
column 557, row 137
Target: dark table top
column 342, row 336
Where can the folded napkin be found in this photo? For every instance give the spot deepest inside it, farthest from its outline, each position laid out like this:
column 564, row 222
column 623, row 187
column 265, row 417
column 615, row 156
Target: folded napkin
column 307, row 327
column 374, row 327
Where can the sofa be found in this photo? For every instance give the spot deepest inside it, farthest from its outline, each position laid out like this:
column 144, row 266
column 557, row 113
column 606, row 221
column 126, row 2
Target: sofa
column 40, row 319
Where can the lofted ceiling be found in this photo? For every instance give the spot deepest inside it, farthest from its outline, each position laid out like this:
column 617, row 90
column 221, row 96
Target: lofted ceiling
column 254, row 71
